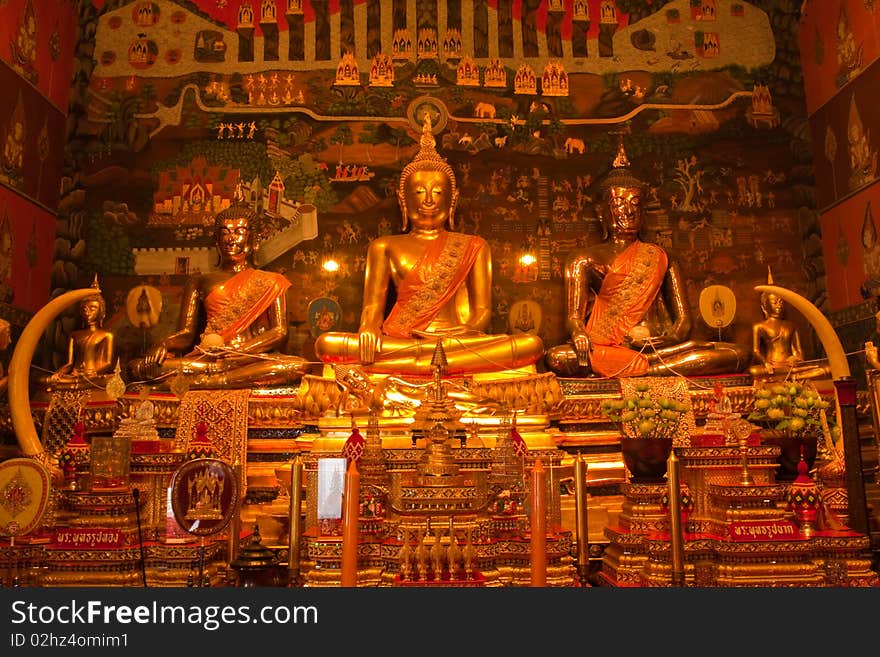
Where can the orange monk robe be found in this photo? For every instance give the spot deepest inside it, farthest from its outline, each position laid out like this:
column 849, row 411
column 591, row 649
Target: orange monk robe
column 431, row 283
column 627, row 292
column 239, row 302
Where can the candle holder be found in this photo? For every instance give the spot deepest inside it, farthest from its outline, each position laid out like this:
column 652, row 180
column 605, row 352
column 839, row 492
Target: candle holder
column 676, row 538
column 742, row 429
column 295, row 523
column 583, row 535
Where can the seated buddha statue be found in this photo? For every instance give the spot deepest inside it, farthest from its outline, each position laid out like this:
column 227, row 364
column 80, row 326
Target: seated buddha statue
column 233, row 321
column 776, row 345
column 91, row 352
column 626, row 310
column 442, row 282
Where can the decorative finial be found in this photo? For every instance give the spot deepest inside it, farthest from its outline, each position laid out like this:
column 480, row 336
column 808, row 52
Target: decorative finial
column 238, row 194
column 239, row 208
column 620, row 175
column 95, row 283
column 79, row 433
column 621, row 161
column 427, row 143
column 769, row 276
column 520, row 448
column 115, row 387
column 439, row 359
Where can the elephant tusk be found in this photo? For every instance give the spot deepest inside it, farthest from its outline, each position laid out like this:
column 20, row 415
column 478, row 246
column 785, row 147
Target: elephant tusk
column 20, row 366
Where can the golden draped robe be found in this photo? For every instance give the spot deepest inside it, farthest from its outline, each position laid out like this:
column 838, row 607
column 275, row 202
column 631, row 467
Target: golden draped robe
column 239, row 302
column 432, row 283
column 629, row 288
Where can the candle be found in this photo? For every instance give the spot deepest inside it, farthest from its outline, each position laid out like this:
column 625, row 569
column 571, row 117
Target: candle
column 350, row 525
column 539, row 525
column 295, row 520
column 675, row 532
column 583, row 535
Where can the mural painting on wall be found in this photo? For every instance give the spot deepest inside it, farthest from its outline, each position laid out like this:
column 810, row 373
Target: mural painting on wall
column 837, row 39
column 31, row 130
column 35, row 40
column 26, row 236
column 850, row 233
column 317, row 117
column 846, row 129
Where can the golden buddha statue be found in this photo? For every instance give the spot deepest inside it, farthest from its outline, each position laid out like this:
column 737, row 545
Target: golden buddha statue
column 776, row 345
column 443, row 283
column 91, row 351
column 637, row 321
column 232, row 321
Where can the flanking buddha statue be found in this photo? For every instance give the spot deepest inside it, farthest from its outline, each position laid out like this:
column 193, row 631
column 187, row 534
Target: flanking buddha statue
column 776, row 345
column 91, row 351
column 626, row 308
column 233, row 321
column 442, row 280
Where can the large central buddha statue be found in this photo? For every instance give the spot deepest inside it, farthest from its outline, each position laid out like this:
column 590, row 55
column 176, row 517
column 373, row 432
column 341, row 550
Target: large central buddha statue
column 442, row 282
column 626, row 310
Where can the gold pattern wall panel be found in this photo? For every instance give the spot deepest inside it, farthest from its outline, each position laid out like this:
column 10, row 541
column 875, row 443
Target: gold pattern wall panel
column 837, row 39
column 37, row 41
column 846, row 141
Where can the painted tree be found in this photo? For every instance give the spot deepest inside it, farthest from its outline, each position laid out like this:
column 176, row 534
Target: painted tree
column 371, row 136
column 399, row 137
column 688, row 176
column 342, row 136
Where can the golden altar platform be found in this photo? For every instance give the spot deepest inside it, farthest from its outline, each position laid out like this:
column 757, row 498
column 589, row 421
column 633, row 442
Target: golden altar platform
column 625, row 524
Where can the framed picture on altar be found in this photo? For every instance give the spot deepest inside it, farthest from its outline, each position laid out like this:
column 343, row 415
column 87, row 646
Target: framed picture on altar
column 331, row 484
column 110, row 462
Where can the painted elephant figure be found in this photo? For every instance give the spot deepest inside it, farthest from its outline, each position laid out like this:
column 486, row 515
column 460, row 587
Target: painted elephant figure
column 574, row 145
column 484, row 110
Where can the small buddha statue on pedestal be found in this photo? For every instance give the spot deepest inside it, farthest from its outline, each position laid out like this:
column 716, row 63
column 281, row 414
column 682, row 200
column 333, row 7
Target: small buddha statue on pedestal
column 776, row 345
column 91, row 352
